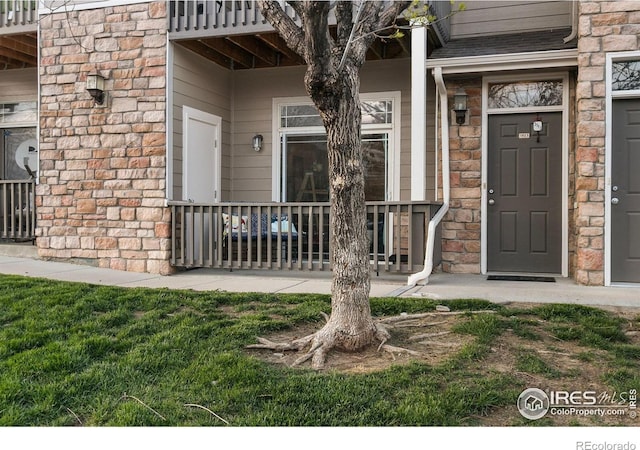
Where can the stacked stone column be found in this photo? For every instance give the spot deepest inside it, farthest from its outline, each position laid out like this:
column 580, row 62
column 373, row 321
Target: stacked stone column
column 101, row 196
column 461, row 226
column 604, row 26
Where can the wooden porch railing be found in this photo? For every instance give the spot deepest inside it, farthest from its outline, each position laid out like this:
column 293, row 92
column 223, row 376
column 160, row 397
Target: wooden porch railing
column 17, row 210
column 203, row 18
column 292, row 236
column 17, row 16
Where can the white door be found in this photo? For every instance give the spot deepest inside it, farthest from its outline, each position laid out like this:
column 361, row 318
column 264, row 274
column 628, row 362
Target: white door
column 201, row 175
column 201, row 150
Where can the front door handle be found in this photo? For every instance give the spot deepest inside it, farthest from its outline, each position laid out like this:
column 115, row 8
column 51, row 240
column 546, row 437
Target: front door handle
column 615, row 201
column 492, row 201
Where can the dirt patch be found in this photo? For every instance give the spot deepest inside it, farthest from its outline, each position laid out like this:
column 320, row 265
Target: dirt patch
column 537, row 359
column 435, row 346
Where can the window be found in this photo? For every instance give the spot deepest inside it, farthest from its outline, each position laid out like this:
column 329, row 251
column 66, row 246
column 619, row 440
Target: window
column 19, row 153
column 18, row 140
column 306, row 164
column 300, row 116
column 625, row 75
column 304, row 161
column 525, row 94
column 23, row 112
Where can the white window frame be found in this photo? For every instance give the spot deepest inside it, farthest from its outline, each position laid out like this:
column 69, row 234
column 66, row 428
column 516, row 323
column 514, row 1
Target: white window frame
column 392, row 129
column 564, row 109
column 611, row 95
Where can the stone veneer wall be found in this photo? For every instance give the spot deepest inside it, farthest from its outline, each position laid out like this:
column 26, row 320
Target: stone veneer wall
column 101, row 196
column 605, row 26
column 461, row 225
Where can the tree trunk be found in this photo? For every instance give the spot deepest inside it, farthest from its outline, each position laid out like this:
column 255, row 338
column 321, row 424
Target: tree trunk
column 350, row 326
column 332, row 81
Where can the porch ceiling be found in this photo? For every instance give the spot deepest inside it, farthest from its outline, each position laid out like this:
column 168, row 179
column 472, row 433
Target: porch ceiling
column 262, row 50
column 18, row 51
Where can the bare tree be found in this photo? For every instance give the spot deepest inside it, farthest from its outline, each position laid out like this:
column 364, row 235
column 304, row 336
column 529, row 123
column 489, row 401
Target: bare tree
column 332, row 80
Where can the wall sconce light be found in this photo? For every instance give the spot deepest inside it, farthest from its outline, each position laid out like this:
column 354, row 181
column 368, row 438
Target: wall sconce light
column 95, row 87
column 257, row 142
column 460, row 106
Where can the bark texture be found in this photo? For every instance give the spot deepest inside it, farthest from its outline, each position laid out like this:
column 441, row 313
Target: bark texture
column 332, row 80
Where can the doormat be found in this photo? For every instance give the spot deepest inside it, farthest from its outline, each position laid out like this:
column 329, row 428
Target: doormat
column 520, row 278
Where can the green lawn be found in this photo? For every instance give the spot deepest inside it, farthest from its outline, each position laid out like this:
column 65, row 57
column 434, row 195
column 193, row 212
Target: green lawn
column 80, row 354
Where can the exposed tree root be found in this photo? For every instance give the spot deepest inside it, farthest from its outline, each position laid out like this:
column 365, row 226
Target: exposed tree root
column 332, row 337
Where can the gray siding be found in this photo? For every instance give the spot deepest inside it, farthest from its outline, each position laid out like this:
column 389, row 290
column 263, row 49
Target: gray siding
column 202, row 85
column 244, row 99
column 18, row 85
column 254, row 93
column 483, row 18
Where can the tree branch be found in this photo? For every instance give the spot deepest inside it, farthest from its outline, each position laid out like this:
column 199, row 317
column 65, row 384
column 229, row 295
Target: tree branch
column 284, row 25
column 389, row 15
column 344, row 18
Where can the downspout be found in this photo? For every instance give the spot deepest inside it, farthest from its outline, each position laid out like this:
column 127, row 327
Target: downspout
column 423, row 276
column 574, row 23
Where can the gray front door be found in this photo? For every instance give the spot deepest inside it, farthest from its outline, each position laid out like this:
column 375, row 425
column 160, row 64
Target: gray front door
column 625, row 192
column 524, row 210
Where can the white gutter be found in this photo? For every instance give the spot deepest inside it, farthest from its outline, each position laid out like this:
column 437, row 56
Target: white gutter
column 423, row 276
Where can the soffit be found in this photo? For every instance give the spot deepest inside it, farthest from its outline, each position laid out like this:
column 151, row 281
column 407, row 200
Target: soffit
column 238, row 52
column 18, row 51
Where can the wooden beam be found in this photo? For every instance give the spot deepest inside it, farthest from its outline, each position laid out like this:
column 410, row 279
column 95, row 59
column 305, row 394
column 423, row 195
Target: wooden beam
column 16, row 50
column 257, row 48
column 274, row 41
column 207, row 52
column 405, row 44
column 228, row 49
column 8, row 63
column 19, row 48
column 375, row 50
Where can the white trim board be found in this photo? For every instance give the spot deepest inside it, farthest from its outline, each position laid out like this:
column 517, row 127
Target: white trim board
column 509, row 61
column 52, row 7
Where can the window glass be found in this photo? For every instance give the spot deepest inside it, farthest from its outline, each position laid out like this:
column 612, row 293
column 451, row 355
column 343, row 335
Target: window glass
column 300, row 116
column 306, row 176
column 376, row 111
column 625, row 75
column 307, row 179
column 297, row 116
column 525, row 94
column 18, row 112
column 20, row 153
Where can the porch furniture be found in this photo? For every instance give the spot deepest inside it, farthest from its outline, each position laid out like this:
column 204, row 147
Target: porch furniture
column 260, row 228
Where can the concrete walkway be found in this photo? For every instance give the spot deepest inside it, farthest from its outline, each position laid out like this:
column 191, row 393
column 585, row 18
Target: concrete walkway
column 441, row 286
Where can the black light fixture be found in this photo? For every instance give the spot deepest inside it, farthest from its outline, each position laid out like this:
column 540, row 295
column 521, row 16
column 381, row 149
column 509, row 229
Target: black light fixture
column 460, row 106
column 95, row 87
column 257, row 142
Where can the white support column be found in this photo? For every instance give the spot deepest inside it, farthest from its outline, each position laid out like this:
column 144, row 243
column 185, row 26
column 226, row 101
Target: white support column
column 418, row 113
